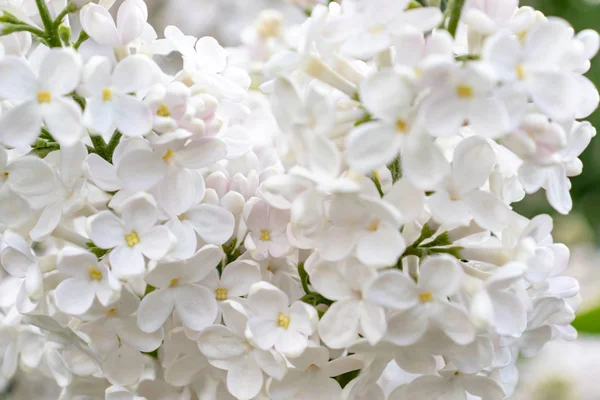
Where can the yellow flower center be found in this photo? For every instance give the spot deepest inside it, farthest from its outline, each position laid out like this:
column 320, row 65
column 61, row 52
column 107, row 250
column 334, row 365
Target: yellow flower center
column 374, row 225
column 174, row 282
column 107, row 94
column 111, row 312
column 44, row 97
column 376, row 30
column 401, row 126
column 520, row 72
column 95, row 274
column 132, row 239
column 163, row 111
column 221, row 294
column 265, row 235
column 426, row 297
column 465, row 91
column 283, row 320
column 169, row 154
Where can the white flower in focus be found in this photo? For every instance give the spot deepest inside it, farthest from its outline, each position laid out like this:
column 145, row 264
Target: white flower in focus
column 41, row 96
column 424, row 303
column 110, row 104
column 267, row 236
column 179, row 288
column 227, row 348
column 274, row 323
column 131, row 238
column 87, row 280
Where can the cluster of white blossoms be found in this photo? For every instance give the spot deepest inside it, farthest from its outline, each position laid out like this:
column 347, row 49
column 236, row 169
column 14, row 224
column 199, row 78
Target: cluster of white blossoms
column 323, row 213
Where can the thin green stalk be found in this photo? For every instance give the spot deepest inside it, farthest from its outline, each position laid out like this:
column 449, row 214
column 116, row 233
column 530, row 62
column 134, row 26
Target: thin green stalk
column 70, row 8
column 112, row 145
column 8, row 28
column 456, row 7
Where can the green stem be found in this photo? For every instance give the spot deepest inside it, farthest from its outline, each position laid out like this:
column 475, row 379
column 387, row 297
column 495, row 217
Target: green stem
column 112, row 145
column 70, row 8
column 8, row 28
column 51, row 34
column 99, row 145
column 83, row 36
column 455, row 12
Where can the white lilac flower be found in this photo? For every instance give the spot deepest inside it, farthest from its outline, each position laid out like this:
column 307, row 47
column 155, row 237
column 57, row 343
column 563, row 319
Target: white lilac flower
column 323, row 212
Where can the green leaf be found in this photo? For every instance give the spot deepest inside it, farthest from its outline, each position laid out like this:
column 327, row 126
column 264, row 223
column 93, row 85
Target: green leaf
column 588, row 322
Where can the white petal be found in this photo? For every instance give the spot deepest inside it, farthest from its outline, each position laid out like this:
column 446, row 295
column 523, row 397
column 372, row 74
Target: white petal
column 31, row 176
column 129, row 332
column 488, row 211
column 134, row 73
column 407, row 327
column 219, row 342
column 97, row 22
column 444, row 116
column 489, row 117
column 154, row 309
column 212, row 56
column 386, row 95
column 156, row 242
column 196, row 306
column 238, row 276
column 555, row 93
column 472, row 163
column 132, row 116
column 423, row 18
column 106, row 230
column 244, row 379
column 510, row 314
column 424, row 164
column 373, row 324
column 365, row 45
column 74, row 296
column 381, row 248
column 339, row 326
column 17, row 80
column 99, row 116
column 124, row 366
column 140, row 213
column 177, row 192
column 557, row 190
column 213, row 223
column 21, row 125
column 482, row 386
column 126, row 262
column 372, row 145
column 141, row 169
column 455, row 323
column 64, row 120
column 130, row 21
column 441, row 275
column 393, row 289
column 409, row 200
column 60, row 72
column 202, row 153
